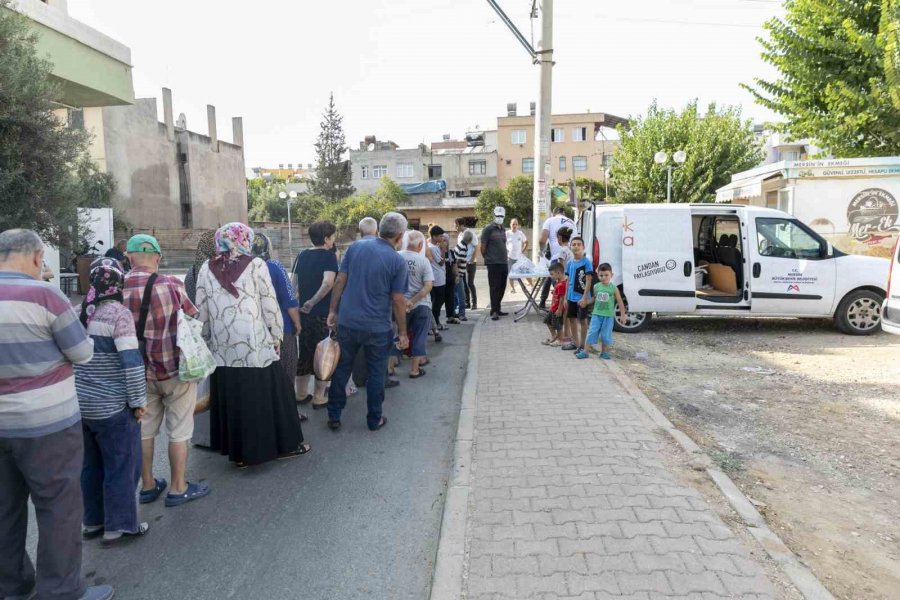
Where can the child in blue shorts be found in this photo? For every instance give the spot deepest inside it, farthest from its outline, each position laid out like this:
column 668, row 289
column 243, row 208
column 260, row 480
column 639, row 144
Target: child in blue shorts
column 606, row 298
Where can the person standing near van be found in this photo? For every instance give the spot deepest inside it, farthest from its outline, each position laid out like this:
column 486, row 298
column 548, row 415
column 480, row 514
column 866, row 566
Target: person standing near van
column 606, row 298
column 579, row 272
column 493, row 249
column 549, row 232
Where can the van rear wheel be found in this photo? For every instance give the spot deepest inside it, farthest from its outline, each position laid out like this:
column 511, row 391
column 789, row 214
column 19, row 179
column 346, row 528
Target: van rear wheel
column 859, row 313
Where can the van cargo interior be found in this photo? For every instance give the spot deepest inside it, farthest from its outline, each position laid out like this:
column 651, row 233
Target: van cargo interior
column 718, row 258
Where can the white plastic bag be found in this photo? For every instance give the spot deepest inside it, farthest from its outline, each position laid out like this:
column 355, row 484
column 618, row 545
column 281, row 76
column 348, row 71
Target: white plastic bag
column 195, row 361
column 522, row 268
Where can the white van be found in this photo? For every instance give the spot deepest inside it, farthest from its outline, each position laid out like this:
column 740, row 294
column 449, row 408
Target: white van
column 890, row 310
column 729, row 260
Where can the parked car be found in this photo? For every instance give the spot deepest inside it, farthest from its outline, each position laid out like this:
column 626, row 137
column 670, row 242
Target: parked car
column 730, row 260
column 890, row 310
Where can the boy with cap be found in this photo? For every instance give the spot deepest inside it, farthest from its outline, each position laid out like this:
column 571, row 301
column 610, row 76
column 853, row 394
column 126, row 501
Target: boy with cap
column 168, row 398
column 493, row 249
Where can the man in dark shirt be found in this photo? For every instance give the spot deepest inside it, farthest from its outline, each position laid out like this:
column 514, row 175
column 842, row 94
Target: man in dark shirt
column 118, row 252
column 371, row 284
column 493, row 249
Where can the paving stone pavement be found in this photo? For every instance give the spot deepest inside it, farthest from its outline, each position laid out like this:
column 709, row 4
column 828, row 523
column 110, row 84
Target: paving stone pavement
column 571, row 497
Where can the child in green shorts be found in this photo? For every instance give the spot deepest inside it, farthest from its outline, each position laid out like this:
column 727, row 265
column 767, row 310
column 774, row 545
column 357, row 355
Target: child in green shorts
column 606, row 298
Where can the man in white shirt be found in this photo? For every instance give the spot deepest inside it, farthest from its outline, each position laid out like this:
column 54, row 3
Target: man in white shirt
column 548, row 234
column 516, row 245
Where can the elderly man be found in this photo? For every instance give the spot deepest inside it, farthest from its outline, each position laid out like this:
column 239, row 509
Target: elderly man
column 154, row 301
column 368, row 228
column 41, row 444
column 418, row 301
column 371, row 283
column 493, row 249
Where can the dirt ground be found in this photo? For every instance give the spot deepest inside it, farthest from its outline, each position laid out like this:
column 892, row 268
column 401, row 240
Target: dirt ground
column 806, row 420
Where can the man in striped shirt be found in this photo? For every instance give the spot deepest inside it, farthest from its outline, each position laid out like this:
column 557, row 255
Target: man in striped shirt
column 40, row 427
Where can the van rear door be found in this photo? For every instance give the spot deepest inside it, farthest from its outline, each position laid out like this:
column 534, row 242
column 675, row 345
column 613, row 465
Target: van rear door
column 658, row 259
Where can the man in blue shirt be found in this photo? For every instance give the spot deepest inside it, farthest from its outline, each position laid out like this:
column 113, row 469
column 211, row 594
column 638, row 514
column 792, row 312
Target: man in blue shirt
column 372, row 281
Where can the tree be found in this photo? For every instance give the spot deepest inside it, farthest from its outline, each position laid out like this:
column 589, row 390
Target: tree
column 350, row 211
column 520, row 200
column 37, row 151
column 485, row 203
column 839, row 82
column 718, row 144
column 333, row 175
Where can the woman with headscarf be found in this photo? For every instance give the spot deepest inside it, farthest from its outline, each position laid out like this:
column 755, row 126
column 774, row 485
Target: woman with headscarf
column 112, row 393
column 206, row 249
column 287, row 300
column 253, row 415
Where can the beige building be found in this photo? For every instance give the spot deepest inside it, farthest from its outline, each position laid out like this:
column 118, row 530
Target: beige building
column 579, row 147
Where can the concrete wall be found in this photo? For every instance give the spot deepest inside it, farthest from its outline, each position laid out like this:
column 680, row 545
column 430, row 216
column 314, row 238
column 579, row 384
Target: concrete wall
column 390, row 158
column 455, row 171
column 145, row 165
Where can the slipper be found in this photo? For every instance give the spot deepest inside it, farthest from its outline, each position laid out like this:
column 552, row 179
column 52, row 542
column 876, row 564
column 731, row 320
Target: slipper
column 125, row 536
column 305, row 400
column 438, row 338
column 301, row 450
column 421, row 373
column 148, row 496
column 547, row 342
column 194, row 491
column 381, row 424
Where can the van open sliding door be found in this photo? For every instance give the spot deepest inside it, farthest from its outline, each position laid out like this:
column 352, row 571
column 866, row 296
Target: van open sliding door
column 658, row 259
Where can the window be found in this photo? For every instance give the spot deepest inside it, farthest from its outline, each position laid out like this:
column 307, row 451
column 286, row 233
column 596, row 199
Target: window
column 528, row 165
column 579, row 163
column 557, row 134
column 379, row 171
column 785, row 238
column 519, row 136
column 404, row 170
column 790, row 155
column 562, row 163
column 76, row 118
column 579, row 134
column 365, row 171
column 477, row 167
column 435, row 171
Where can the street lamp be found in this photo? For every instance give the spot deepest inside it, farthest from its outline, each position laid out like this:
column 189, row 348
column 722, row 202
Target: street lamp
column 290, row 197
column 661, row 158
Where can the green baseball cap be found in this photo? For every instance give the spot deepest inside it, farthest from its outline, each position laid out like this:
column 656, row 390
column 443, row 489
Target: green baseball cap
column 136, row 244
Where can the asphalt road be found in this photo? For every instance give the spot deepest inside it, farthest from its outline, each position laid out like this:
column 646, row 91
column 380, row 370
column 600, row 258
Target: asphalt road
column 358, row 517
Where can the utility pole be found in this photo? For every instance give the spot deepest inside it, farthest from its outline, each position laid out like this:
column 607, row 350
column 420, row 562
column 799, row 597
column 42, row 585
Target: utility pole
column 542, row 126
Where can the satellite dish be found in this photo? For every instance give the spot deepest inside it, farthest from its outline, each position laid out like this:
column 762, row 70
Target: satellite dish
column 370, row 147
column 181, row 123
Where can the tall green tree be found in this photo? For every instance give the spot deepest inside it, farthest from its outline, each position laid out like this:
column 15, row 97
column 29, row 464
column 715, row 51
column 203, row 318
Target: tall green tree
column 838, row 81
column 38, row 152
column 718, row 144
column 333, row 174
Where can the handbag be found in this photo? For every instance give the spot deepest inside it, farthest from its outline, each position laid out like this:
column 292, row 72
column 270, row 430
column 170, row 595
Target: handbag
column 195, row 361
column 325, row 361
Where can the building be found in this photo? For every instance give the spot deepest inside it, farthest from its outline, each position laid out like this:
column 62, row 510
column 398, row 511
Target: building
column 468, row 166
column 852, row 203
column 375, row 159
column 168, row 177
column 284, row 172
column 781, row 147
column 579, row 147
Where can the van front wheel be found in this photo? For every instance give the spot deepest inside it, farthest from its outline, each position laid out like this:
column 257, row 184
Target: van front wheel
column 634, row 322
column 859, row 313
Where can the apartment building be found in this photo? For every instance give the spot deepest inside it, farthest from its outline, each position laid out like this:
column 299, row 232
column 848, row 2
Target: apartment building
column 579, row 145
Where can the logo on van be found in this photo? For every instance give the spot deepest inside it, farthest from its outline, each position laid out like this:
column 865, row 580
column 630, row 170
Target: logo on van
column 872, row 214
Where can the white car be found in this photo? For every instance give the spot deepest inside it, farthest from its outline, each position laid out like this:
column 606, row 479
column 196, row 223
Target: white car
column 890, row 310
column 730, row 260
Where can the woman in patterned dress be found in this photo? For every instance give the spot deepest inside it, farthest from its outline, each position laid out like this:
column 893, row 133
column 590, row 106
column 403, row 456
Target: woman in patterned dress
column 253, row 415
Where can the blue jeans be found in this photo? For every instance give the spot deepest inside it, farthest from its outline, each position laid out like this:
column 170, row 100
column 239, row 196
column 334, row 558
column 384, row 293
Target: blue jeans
column 602, row 328
column 377, row 347
column 461, row 296
column 418, row 324
column 111, row 471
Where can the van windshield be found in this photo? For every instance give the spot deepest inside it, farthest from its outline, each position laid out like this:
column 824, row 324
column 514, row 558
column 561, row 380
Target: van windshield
column 787, row 238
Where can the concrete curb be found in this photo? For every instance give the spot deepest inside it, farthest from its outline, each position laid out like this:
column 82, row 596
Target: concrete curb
column 802, row 578
column 447, row 580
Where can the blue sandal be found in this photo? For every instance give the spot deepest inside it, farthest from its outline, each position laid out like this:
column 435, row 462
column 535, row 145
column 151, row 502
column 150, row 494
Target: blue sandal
column 194, row 491
column 148, row 496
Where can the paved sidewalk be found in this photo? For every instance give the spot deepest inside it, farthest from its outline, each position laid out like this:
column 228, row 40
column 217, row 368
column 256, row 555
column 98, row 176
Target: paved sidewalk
column 571, row 497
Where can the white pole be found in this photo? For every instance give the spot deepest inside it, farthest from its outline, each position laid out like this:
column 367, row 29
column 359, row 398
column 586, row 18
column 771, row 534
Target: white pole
column 669, row 186
column 290, row 236
column 542, row 127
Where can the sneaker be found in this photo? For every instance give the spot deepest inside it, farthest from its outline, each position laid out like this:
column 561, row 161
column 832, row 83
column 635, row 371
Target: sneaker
column 98, row 592
column 495, row 317
column 569, row 347
column 605, row 356
column 581, row 354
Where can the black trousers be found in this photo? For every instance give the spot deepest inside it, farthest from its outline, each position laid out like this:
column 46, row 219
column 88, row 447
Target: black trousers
column 48, row 469
column 471, row 294
column 450, row 293
column 438, row 297
column 497, row 275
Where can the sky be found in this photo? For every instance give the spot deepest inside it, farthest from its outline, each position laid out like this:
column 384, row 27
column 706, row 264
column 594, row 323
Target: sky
column 413, row 70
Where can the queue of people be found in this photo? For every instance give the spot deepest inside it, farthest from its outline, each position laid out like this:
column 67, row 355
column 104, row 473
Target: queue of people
column 84, row 394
